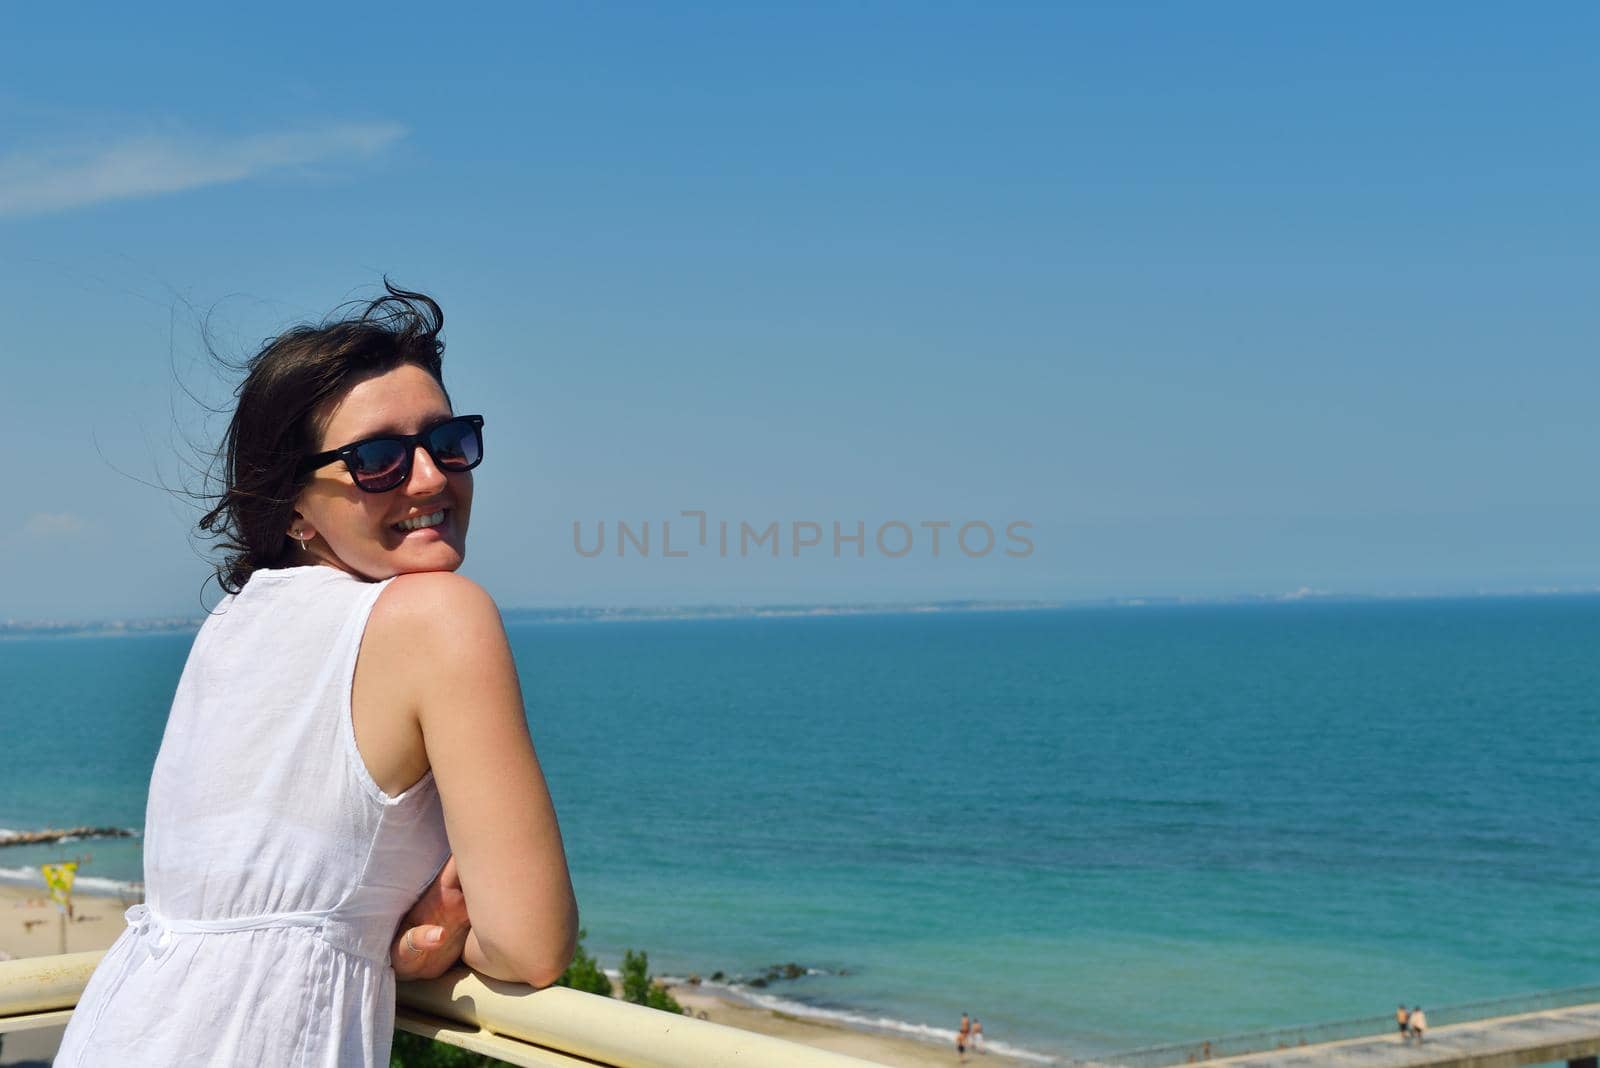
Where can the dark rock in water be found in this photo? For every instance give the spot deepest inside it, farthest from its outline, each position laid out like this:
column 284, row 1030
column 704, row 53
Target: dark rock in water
column 35, row 837
column 771, row 974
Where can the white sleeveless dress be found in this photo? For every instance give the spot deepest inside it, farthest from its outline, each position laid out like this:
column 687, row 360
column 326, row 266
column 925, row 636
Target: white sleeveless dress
column 276, row 871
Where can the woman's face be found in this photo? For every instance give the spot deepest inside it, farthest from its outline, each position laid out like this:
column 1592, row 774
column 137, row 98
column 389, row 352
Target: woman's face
column 354, row 530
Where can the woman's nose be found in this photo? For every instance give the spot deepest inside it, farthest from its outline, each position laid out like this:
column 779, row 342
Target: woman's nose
column 426, row 477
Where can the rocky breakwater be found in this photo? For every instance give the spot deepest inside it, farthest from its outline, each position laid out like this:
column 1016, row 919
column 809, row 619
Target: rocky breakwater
column 64, row 834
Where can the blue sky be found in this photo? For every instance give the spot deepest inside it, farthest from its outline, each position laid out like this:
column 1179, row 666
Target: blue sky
column 1221, row 299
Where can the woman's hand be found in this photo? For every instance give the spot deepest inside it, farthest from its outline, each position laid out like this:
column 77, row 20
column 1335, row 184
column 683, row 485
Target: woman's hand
column 433, row 934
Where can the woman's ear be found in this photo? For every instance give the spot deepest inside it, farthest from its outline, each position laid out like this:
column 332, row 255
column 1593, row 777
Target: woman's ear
column 300, row 529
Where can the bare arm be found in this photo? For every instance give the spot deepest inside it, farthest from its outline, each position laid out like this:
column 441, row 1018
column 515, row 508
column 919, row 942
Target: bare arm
column 497, row 808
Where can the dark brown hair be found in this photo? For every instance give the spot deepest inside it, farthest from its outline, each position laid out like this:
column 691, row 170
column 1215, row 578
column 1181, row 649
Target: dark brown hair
column 288, row 390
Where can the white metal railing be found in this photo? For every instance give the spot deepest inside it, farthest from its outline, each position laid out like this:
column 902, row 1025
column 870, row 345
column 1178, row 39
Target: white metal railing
column 551, row 1028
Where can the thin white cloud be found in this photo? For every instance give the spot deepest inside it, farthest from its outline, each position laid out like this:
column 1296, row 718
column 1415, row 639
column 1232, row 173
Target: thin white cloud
column 51, row 525
column 37, row 182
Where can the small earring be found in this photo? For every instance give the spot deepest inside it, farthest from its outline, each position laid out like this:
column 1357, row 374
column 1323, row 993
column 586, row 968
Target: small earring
column 302, row 538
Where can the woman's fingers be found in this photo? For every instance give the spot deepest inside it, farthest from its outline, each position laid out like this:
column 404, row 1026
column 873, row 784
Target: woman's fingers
column 425, row 952
column 434, row 931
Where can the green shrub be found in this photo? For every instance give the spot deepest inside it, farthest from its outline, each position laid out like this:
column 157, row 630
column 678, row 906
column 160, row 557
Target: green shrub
column 661, row 998
column 635, row 977
column 639, row 988
column 584, row 972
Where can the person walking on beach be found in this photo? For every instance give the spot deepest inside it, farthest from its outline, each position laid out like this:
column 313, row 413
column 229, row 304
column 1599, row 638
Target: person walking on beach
column 346, row 764
column 1419, row 1023
column 977, row 1036
column 1403, row 1018
column 962, row 1036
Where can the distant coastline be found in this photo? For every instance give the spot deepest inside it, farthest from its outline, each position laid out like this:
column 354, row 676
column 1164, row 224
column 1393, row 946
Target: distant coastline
column 95, row 628
column 12, row 628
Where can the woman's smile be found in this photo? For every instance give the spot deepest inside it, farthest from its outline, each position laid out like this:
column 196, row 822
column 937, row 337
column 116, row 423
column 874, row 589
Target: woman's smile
column 422, row 521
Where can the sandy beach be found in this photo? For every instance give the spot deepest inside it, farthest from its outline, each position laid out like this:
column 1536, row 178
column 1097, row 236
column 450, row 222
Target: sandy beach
column 30, row 927
column 884, row 1049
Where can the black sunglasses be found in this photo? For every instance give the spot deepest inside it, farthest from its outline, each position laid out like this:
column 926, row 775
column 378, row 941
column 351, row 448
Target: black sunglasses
column 380, row 464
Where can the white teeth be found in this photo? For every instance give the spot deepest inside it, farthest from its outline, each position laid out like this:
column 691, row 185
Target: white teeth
column 418, row 522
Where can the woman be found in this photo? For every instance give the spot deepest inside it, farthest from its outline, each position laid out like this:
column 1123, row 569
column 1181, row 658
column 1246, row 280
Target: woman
column 349, row 714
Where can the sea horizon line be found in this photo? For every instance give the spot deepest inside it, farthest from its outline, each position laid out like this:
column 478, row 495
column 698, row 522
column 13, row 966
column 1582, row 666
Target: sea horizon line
column 711, row 610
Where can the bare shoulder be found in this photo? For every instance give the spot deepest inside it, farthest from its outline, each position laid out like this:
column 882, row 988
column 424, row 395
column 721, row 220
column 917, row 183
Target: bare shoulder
column 434, row 601
column 437, row 621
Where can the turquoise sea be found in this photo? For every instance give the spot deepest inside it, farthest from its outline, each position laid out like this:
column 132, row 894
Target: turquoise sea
column 1094, row 829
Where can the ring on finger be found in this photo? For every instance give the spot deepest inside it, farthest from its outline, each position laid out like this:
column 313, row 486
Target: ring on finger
column 412, row 946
